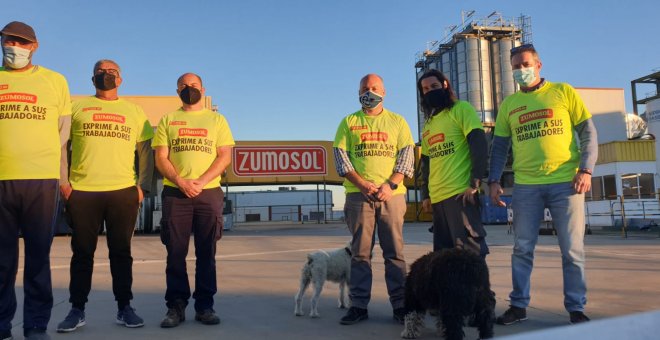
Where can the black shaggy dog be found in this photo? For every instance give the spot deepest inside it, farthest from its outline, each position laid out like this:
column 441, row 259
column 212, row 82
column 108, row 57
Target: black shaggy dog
column 455, row 284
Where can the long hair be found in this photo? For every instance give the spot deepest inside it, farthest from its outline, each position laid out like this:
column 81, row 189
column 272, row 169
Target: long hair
column 450, row 98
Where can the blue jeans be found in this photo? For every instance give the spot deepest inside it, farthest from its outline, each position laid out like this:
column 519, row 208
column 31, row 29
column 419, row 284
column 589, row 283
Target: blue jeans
column 567, row 210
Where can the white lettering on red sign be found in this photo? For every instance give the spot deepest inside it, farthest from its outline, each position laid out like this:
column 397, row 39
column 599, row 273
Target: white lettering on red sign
column 251, row 161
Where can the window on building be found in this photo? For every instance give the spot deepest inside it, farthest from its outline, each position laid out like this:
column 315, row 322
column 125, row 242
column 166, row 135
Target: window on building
column 596, row 193
column 609, row 186
column 646, row 186
column 629, row 185
column 638, row 185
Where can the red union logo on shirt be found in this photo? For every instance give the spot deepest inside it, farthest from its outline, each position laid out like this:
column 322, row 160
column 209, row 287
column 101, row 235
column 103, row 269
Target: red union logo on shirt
column 437, row 138
column 18, row 97
column 95, row 108
column 193, row 132
column 4, row 86
column 108, row 117
column 178, row 122
column 534, row 115
column 255, row 161
column 374, row 137
column 359, row 127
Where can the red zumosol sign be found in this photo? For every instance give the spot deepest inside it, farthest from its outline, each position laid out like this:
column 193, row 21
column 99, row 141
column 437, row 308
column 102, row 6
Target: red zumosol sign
column 249, row 161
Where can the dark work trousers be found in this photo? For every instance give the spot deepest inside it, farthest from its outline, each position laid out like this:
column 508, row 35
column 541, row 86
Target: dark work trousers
column 455, row 223
column 88, row 211
column 200, row 216
column 28, row 206
column 365, row 220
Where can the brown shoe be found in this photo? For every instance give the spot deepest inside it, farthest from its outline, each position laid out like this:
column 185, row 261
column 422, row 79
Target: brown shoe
column 207, row 317
column 175, row 315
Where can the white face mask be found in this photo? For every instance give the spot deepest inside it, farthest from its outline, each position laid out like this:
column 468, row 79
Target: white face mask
column 370, row 100
column 16, row 57
column 524, row 76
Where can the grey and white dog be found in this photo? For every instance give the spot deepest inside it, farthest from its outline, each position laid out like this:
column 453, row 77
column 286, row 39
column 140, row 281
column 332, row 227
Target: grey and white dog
column 322, row 266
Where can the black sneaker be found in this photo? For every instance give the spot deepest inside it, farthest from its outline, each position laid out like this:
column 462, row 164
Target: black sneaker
column 512, row 315
column 128, row 318
column 73, row 320
column 5, row 335
column 578, row 317
column 399, row 315
column 354, row 315
column 207, row 317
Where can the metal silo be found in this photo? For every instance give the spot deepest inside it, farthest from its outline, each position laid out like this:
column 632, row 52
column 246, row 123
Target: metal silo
column 504, row 84
column 475, row 57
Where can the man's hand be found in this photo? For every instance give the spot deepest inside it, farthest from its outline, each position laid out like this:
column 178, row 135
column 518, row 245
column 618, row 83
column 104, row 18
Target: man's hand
column 189, row 187
column 468, row 196
column 582, row 182
column 426, row 206
column 495, row 190
column 384, row 192
column 368, row 190
column 140, row 194
column 66, row 190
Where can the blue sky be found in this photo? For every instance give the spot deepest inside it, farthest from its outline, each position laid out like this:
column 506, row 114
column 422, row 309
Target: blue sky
column 289, row 69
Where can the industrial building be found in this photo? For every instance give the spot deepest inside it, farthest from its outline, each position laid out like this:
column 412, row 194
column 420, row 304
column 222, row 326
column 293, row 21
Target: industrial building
column 284, row 205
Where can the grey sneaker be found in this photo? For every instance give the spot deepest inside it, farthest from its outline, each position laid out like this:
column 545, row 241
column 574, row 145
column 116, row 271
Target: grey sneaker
column 207, row 317
column 73, row 320
column 36, row 334
column 512, row 315
column 128, row 318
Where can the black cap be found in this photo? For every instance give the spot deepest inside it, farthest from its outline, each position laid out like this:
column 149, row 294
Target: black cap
column 19, row 29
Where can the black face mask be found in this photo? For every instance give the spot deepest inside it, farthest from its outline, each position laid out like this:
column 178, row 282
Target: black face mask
column 104, row 81
column 438, row 99
column 190, row 95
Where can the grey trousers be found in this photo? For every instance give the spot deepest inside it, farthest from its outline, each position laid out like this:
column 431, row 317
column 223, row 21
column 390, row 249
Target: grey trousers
column 364, row 220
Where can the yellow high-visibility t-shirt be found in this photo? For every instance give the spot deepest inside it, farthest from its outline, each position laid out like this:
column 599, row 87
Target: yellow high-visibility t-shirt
column 373, row 144
column 104, row 134
column 193, row 138
column 31, row 104
column 541, row 126
column 444, row 140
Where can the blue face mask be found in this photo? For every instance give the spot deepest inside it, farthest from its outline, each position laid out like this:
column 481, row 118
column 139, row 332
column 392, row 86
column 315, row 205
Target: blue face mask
column 370, row 100
column 524, row 76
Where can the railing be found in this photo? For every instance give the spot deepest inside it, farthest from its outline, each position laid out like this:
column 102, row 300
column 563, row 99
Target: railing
column 649, row 210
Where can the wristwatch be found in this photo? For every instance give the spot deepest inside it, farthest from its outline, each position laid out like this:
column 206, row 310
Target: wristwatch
column 393, row 185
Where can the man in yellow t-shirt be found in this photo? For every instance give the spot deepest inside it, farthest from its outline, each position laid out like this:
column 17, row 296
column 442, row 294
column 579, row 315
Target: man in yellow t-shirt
column 373, row 150
column 106, row 189
column 35, row 117
column 193, row 147
column 542, row 121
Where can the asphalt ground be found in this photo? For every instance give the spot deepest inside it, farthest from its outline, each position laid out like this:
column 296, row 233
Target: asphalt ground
column 258, row 275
